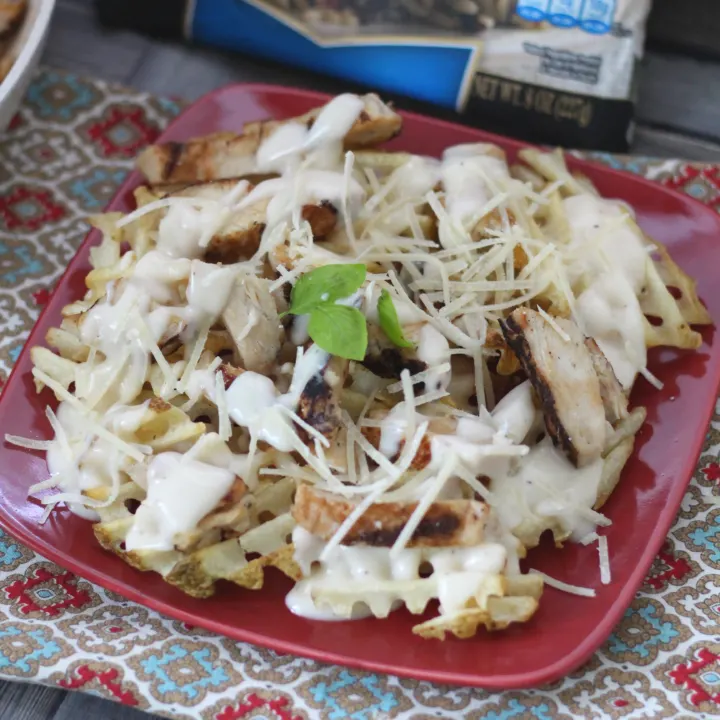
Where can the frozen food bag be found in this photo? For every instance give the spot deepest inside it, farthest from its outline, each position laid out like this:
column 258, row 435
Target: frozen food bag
column 550, row 71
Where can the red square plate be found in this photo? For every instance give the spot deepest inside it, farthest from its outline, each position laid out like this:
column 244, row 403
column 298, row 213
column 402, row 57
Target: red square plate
column 566, row 629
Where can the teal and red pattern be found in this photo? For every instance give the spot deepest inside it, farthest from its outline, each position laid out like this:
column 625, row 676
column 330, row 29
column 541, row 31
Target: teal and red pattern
column 63, row 157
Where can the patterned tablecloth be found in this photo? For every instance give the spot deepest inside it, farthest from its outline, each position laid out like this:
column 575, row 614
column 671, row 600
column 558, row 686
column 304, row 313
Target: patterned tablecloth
column 65, row 153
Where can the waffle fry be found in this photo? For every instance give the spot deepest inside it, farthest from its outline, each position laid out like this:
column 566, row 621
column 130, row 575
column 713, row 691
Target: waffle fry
column 512, row 600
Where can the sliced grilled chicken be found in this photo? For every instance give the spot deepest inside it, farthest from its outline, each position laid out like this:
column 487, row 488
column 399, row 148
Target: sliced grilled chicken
column 319, row 402
column 386, row 360
column 240, row 238
column 423, row 455
column 227, row 154
column 614, row 399
column 165, row 189
column 446, row 522
column 563, row 375
column 251, row 318
column 377, row 123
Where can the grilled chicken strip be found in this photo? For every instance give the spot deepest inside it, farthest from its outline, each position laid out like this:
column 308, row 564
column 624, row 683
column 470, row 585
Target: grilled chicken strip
column 446, row 523
column 319, row 403
column 564, row 377
column 386, row 360
column 240, row 238
column 423, row 455
column 251, row 304
column 227, row 154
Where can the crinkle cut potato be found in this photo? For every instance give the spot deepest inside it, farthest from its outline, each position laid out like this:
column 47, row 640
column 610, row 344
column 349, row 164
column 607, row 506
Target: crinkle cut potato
column 385, row 375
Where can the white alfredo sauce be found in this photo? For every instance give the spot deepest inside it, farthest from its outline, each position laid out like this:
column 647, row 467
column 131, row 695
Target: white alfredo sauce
column 180, row 492
column 434, row 350
column 306, row 186
column 254, row 402
column 612, row 264
column 545, row 484
column 484, row 445
column 182, row 228
column 468, row 173
column 516, row 413
column 82, row 461
column 282, row 150
column 393, row 431
column 159, row 275
column 209, row 290
column 458, row 575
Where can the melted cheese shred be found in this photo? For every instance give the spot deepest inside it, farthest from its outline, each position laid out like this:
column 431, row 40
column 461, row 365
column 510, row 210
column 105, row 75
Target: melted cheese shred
column 457, row 243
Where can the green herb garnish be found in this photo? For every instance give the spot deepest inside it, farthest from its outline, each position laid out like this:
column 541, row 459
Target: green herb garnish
column 389, row 321
column 338, row 329
column 325, row 284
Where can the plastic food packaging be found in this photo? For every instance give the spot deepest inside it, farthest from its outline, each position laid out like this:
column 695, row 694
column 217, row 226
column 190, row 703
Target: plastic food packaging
column 550, row 71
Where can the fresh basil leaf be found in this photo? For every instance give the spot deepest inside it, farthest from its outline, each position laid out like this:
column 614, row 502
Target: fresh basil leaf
column 339, row 330
column 389, row 321
column 325, row 284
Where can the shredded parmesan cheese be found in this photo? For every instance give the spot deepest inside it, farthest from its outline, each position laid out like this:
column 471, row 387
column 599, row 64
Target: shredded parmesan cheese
column 28, row 443
column 605, row 576
column 565, row 587
column 422, row 507
column 198, row 347
column 553, row 324
column 224, row 429
column 654, row 381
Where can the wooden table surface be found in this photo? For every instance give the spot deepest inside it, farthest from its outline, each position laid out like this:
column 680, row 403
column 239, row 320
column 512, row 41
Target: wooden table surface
column 678, row 116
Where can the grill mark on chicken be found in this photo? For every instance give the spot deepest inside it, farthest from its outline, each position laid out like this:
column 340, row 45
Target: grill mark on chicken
column 174, row 151
column 521, row 348
column 318, row 407
column 442, row 525
column 390, row 362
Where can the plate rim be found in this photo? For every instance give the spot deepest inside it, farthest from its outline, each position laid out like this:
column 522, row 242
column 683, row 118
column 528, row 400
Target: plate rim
column 547, row 673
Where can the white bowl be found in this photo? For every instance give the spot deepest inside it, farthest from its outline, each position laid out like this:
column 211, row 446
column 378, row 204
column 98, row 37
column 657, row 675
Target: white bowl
column 29, row 42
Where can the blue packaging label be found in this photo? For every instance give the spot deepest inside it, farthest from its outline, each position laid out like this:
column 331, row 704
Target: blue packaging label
column 597, row 16
column 533, row 10
column 592, row 16
column 564, row 13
